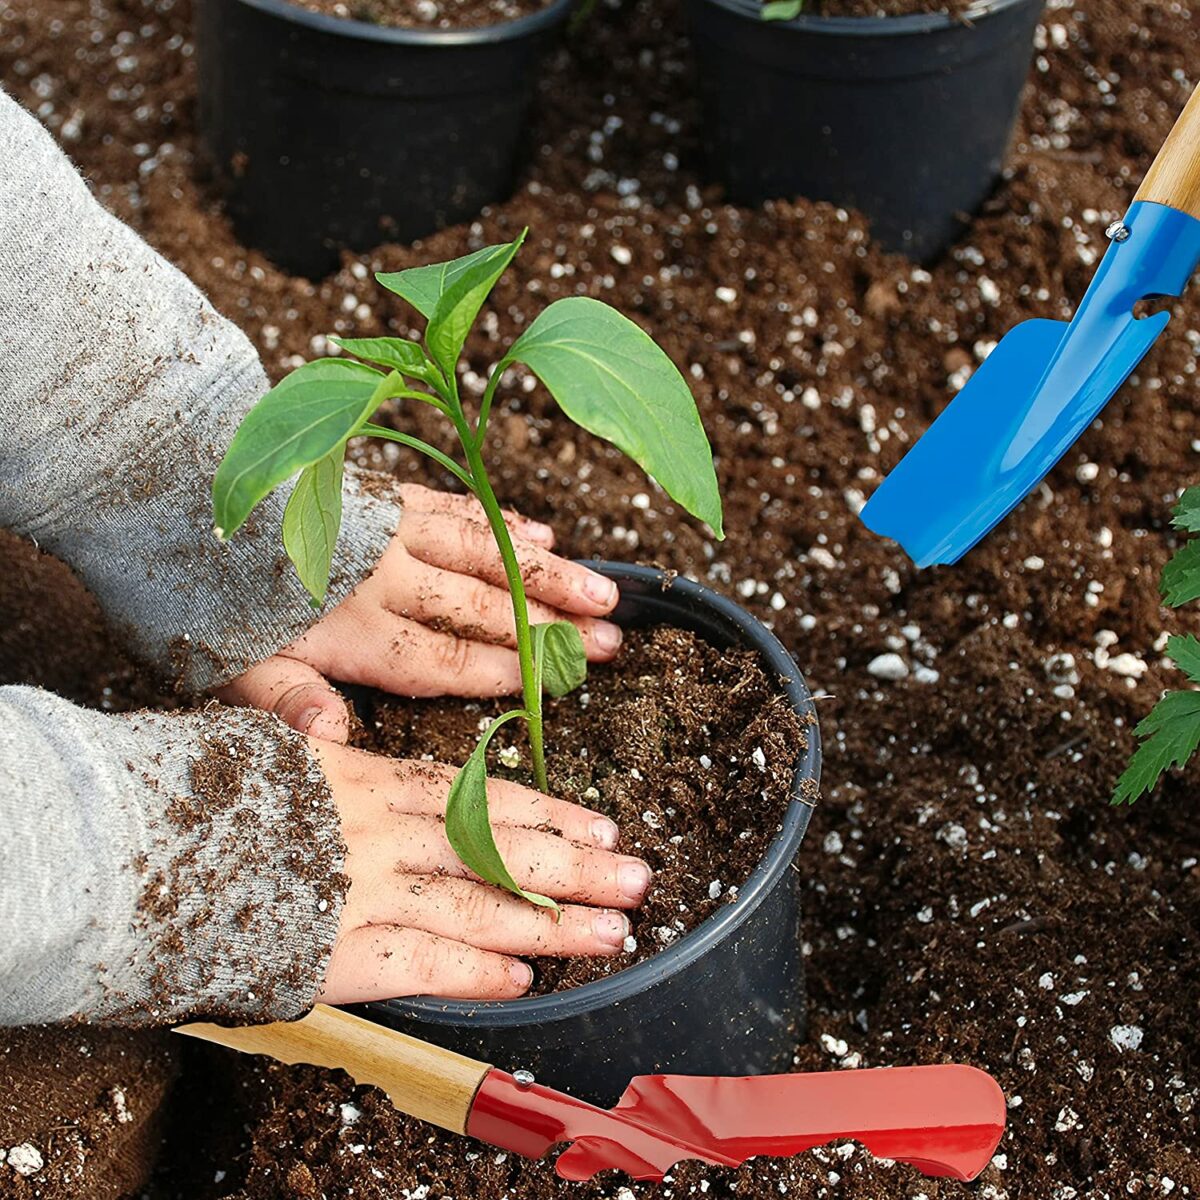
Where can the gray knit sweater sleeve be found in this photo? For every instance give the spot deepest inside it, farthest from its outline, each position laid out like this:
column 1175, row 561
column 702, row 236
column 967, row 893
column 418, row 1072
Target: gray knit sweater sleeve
column 156, row 867
column 120, row 388
column 153, row 866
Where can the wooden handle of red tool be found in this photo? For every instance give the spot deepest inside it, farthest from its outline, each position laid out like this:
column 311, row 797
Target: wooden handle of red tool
column 1174, row 176
column 424, row 1081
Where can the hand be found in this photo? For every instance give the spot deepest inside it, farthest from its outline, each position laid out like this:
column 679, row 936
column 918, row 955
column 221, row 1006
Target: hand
column 434, row 618
column 416, row 921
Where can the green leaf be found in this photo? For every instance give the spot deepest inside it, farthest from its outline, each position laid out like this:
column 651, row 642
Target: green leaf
column 422, row 287
column 608, row 376
column 301, row 419
column 1186, row 514
column 560, row 661
column 468, row 829
column 1184, row 652
column 397, row 353
column 1181, row 575
column 449, row 295
column 311, row 522
column 1172, row 733
column 460, row 302
column 782, row 10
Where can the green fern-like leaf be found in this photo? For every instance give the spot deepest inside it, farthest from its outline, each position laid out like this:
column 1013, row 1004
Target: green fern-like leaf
column 1171, row 733
column 1184, row 651
column 1186, row 514
column 1181, row 575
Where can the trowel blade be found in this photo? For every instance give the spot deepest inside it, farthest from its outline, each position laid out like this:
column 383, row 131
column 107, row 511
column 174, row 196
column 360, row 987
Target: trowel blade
column 1033, row 396
column 945, row 1120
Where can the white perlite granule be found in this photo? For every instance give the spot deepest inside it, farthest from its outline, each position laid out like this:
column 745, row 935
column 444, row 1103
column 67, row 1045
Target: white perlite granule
column 25, row 1159
column 1126, row 1037
column 888, row 666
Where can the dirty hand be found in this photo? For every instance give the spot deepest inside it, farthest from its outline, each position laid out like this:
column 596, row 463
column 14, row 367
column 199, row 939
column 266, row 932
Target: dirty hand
column 434, row 618
column 416, row 921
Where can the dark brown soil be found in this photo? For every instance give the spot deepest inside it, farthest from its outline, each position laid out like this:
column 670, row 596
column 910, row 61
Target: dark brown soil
column 970, row 895
column 428, row 14
column 689, row 749
column 81, row 1111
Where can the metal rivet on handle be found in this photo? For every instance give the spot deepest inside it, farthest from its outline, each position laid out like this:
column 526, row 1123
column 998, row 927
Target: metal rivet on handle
column 1118, row 231
column 523, row 1078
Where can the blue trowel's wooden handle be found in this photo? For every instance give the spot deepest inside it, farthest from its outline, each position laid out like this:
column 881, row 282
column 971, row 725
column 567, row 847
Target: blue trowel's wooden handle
column 1174, row 176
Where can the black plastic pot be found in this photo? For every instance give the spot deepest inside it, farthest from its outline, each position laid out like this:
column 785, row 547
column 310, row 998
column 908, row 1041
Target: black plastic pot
column 728, row 998
column 329, row 132
column 905, row 118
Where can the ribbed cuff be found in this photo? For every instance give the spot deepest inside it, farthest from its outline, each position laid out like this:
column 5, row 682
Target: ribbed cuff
column 176, row 866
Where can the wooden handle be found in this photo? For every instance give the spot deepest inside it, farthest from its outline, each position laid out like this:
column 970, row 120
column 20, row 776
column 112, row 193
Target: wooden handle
column 424, row 1081
column 1174, row 176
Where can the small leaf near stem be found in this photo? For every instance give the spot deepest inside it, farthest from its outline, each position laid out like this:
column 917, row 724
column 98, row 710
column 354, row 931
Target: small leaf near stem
column 468, row 828
column 559, row 659
column 399, row 354
column 311, row 522
column 311, row 412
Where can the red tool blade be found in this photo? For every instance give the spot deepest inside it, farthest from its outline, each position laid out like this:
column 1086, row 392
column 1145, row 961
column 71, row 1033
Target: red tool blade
column 944, row 1120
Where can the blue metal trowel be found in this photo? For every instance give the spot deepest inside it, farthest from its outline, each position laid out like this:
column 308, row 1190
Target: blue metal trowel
column 1046, row 380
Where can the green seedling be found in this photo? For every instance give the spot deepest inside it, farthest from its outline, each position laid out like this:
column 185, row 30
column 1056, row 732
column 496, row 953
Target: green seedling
column 1171, row 731
column 606, row 375
column 782, row 10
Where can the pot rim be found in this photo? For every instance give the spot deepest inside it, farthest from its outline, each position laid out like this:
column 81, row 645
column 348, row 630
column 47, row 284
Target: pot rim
column 911, row 23
column 630, row 982
column 348, row 27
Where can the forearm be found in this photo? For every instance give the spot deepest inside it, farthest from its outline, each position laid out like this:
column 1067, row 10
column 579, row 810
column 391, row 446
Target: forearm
column 120, row 388
column 156, row 867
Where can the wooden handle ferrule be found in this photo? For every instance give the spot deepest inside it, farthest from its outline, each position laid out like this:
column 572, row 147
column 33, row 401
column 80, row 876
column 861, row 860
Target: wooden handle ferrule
column 425, row 1081
column 1174, row 176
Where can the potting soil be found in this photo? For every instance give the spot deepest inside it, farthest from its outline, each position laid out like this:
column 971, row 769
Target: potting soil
column 970, row 894
column 428, row 14
column 689, row 749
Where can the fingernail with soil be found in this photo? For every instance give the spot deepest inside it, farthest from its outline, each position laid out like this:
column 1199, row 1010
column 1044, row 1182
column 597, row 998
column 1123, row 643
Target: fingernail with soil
column 599, row 590
column 611, row 928
column 537, row 532
column 633, row 878
column 521, row 974
column 605, row 833
column 608, row 636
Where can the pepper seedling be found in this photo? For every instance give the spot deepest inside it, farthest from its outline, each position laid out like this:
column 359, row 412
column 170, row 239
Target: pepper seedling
column 1170, row 732
column 606, row 374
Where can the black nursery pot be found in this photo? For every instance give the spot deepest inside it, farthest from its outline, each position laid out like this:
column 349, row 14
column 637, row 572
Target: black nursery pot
column 329, row 132
column 728, row 998
column 905, row 118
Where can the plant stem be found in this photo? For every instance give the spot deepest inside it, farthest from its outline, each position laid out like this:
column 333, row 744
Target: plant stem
column 520, row 606
column 489, row 395
column 443, row 460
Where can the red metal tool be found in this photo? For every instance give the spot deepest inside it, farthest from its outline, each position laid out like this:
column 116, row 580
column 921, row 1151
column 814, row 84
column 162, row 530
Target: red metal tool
column 944, row 1120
